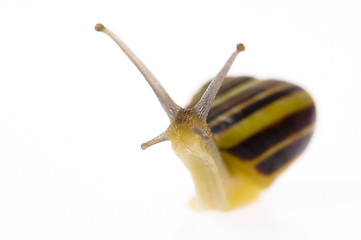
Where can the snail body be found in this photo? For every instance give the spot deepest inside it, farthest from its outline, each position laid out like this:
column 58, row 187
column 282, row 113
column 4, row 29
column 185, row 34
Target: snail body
column 237, row 134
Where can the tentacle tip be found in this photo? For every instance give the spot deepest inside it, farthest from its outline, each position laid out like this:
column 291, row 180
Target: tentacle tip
column 240, row 47
column 99, row 27
column 144, row 146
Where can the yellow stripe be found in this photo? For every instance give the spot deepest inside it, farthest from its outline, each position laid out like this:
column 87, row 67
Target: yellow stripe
column 247, row 103
column 262, row 118
column 234, row 91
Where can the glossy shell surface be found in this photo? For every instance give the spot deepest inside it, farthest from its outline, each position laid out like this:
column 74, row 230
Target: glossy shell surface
column 261, row 127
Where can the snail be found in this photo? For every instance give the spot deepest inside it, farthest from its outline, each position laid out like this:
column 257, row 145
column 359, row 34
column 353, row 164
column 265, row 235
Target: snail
column 237, row 135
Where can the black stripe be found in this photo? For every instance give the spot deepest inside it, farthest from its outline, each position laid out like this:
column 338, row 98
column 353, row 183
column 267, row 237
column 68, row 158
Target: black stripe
column 283, row 156
column 265, row 139
column 244, row 96
column 252, row 108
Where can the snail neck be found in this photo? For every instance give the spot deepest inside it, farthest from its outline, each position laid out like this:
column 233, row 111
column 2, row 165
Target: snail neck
column 209, row 184
column 193, row 142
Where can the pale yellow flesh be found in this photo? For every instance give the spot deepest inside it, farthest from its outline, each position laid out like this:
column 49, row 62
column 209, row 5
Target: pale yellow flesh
column 209, row 186
column 215, row 186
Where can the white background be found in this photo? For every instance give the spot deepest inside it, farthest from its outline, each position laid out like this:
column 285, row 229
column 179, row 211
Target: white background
column 74, row 111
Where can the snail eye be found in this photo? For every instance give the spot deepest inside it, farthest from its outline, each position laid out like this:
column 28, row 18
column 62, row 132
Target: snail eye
column 199, row 131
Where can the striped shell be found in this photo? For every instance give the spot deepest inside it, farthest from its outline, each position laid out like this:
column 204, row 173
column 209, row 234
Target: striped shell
column 260, row 126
